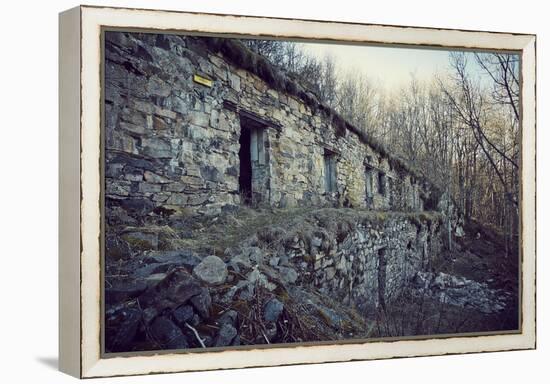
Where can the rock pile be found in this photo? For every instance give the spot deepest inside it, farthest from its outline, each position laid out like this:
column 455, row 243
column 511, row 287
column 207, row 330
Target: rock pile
column 321, row 278
column 461, row 292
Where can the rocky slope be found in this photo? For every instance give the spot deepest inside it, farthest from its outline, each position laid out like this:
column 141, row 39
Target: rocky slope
column 259, row 277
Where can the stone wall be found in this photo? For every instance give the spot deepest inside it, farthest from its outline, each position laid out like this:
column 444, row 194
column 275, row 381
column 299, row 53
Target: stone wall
column 373, row 263
column 172, row 143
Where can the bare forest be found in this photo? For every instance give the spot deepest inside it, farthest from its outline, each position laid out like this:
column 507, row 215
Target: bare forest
column 460, row 129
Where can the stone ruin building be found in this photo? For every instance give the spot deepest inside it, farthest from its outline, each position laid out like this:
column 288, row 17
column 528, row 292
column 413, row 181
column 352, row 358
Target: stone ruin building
column 202, row 125
column 196, row 127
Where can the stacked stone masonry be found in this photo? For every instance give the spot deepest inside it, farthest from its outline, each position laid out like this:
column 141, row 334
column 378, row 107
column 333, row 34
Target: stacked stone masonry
column 372, row 264
column 176, row 145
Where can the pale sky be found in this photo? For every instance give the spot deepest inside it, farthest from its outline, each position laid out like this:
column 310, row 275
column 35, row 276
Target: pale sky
column 390, row 67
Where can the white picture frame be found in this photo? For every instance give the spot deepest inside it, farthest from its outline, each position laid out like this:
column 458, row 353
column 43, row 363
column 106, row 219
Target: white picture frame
column 80, row 186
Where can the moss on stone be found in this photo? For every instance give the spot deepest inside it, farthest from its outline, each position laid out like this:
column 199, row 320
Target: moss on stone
column 138, row 244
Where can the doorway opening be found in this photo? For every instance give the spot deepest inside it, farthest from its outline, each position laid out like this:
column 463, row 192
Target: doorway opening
column 245, row 166
column 253, row 162
column 382, row 265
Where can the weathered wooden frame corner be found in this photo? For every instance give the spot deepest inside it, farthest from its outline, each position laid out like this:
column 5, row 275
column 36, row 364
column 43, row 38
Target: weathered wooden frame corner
column 79, row 197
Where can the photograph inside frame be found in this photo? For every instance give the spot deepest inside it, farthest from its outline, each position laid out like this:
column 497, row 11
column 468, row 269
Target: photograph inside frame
column 281, row 192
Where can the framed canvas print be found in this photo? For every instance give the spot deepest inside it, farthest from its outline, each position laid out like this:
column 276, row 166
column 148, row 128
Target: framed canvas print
column 249, row 191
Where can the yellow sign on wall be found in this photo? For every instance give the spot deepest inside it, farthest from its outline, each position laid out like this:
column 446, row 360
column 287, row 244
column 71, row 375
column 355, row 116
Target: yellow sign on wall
column 202, row 80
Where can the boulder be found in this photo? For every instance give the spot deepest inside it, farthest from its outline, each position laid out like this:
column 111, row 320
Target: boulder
column 163, row 261
column 212, row 270
column 229, row 317
column 202, row 303
column 225, row 336
column 255, row 255
column 331, row 317
column 125, row 323
column 246, row 257
column 288, row 275
column 117, row 248
column 174, row 290
column 141, row 241
column 274, row 261
column 255, row 277
column 183, row 256
column 241, row 285
column 152, row 269
column 168, row 334
column 183, row 314
column 124, row 290
column 272, row 310
column 154, row 278
column 137, row 206
column 316, row 242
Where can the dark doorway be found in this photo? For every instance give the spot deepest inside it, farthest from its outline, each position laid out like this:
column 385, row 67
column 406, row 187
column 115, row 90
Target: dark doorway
column 382, row 264
column 330, row 172
column 245, row 167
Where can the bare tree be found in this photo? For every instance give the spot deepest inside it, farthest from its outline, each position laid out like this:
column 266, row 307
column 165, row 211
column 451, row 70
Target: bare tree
column 327, row 81
column 356, row 100
column 273, row 50
column 503, row 70
column 470, row 105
